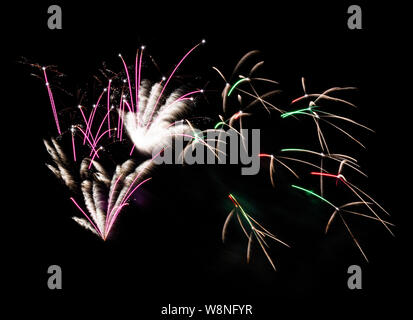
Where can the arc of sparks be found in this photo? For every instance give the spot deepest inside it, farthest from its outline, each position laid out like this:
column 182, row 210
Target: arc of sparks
column 138, row 70
column 128, row 78
column 323, row 174
column 351, row 186
column 108, row 105
column 256, row 230
column 87, row 217
column 315, row 195
column 169, row 78
column 299, row 111
column 91, row 117
column 236, row 84
column 52, row 103
column 73, row 144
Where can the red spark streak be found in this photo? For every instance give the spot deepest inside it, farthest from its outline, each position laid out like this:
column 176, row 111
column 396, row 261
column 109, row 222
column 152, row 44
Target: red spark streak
column 325, row 175
column 235, row 202
column 265, row 155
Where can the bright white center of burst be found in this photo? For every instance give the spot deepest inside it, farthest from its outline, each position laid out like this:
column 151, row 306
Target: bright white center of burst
column 151, row 139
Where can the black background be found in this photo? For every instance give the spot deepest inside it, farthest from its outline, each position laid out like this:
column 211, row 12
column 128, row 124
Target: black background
column 169, row 249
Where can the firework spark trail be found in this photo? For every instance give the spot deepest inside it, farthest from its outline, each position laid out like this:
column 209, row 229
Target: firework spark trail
column 100, row 173
column 243, row 60
column 96, row 138
column 152, row 120
column 236, row 84
column 49, row 91
column 119, row 115
column 94, row 110
column 80, row 107
column 256, row 230
column 73, row 145
column 324, row 95
column 339, row 210
column 272, row 166
column 320, row 115
column 228, row 89
column 340, row 177
column 148, row 136
column 352, row 188
column 138, row 79
column 129, row 82
column 93, row 157
column 93, row 188
column 102, row 135
column 311, row 110
column 351, row 162
column 90, row 221
column 87, row 139
column 170, row 76
column 125, row 192
column 86, row 224
column 86, row 188
column 91, row 117
column 302, row 161
column 115, row 186
column 108, row 106
column 255, row 68
column 60, row 161
column 315, row 195
column 299, row 111
column 122, row 118
column 336, row 211
column 104, row 212
column 99, row 198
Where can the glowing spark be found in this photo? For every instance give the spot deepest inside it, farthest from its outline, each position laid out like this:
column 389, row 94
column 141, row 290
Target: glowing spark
column 221, row 123
column 129, row 82
column 323, row 174
column 236, row 84
column 51, row 101
column 108, row 106
column 81, row 210
column 73, row 146
column 256, row 230
column 315, row 195
column 167, row 81
column 299, row 111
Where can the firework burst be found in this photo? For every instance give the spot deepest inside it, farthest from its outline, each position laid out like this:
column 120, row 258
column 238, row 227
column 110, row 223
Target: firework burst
column 149, row 113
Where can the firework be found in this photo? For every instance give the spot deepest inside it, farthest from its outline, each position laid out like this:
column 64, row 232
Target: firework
column 150, row 120
column 251, row 228
column 150, row 113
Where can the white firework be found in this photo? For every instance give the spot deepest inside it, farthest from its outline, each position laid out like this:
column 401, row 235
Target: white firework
column 153, row 125
column 104, row 195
